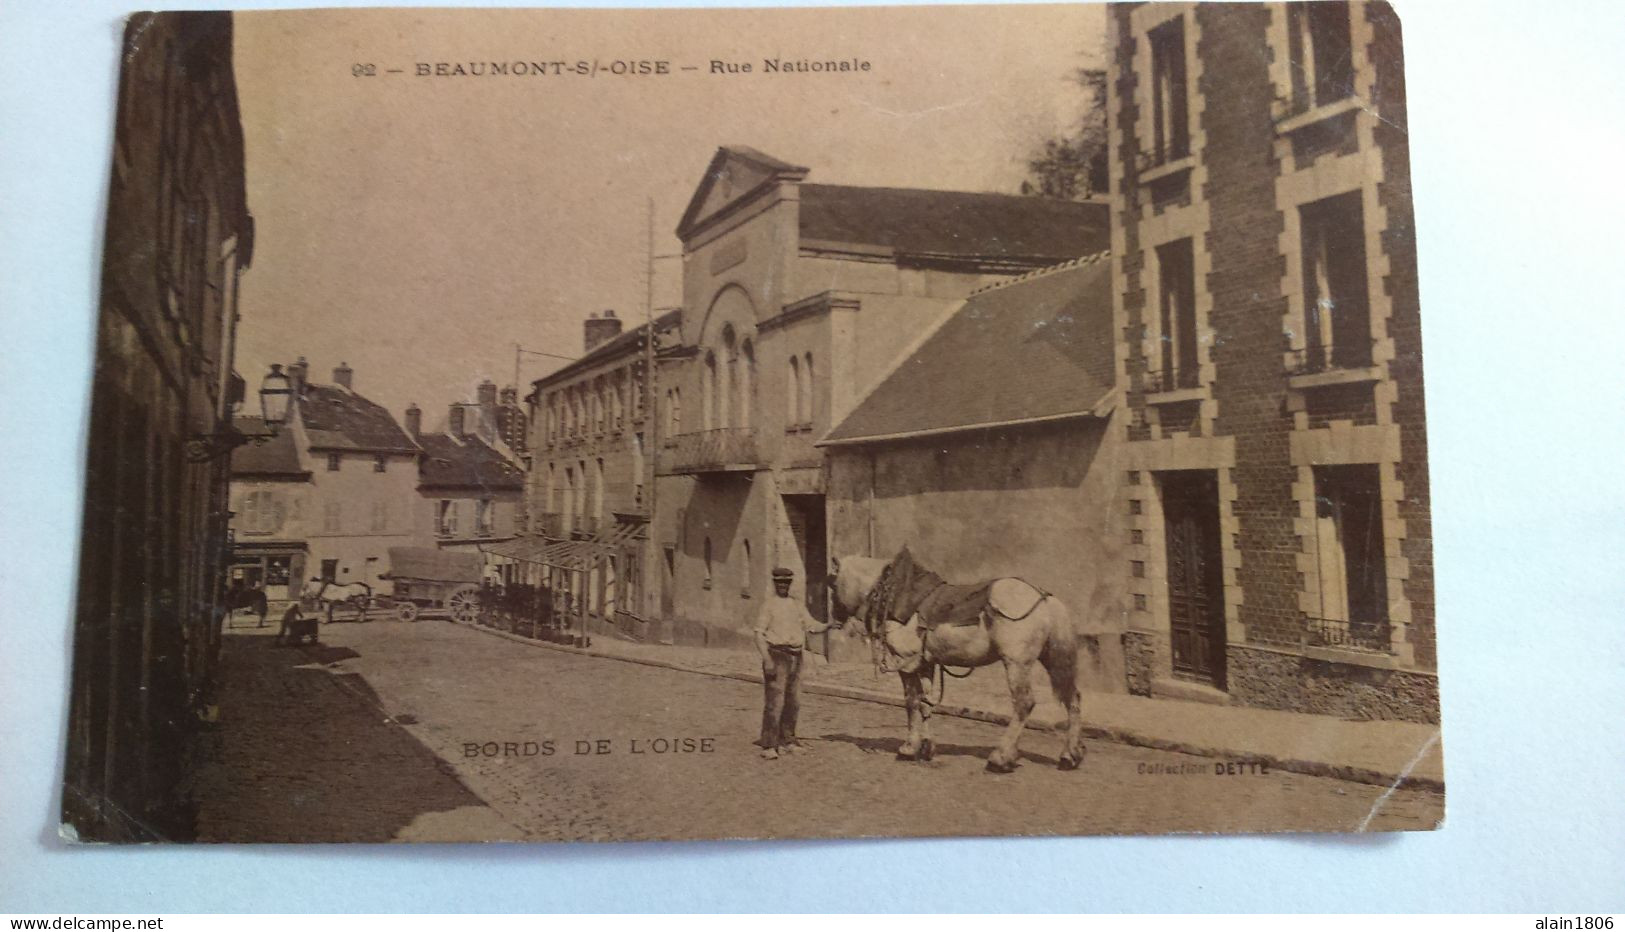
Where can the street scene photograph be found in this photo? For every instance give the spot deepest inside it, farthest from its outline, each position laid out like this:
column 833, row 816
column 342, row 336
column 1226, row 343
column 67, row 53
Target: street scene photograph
column 606, row 425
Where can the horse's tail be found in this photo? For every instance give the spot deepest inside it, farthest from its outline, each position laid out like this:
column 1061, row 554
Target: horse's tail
column 259, row 604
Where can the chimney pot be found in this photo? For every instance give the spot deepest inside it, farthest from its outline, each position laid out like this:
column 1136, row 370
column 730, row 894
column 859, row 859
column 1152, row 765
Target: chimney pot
column 454, row 421
column 599, row 330
column 414, row 419
column 488, row 394
column 343, row 375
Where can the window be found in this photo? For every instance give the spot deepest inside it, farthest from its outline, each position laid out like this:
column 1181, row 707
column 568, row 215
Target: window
column 708, row 392
column 807, row 389
column 332, row 518
column 330, row 571
column 706, row 584
column 1170, row 115
column 446, row 518
column 333, row 461
column 728, row 398
column 380, row 517
column 380, row 463
column 637, row 469
column 792, row 389
column 1350, row 559
column 747, row 385
column 598, row 490
column 1337, row 316
column 1176, row 287
column 744, row 582
column 1320, row 53
column 676, row 411
column 617, row 410
column 260, row 513
column 484, row 512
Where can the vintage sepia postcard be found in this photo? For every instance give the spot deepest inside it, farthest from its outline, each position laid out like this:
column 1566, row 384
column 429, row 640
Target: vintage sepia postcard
column 553, row 425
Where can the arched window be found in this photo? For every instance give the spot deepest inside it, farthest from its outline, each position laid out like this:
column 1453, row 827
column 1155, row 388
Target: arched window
column 708, row 392
column 582, row 488
column 792, row 390
column 598, row 491
column 676, row 411
column 550, row 491
column 569, row 496
column 728, row 397
column 708, row 563
column 747, row 385
column 744, row 583
column 807, row 389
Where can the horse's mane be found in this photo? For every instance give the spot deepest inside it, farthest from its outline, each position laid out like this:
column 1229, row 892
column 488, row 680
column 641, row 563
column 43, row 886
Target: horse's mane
column 902, row 585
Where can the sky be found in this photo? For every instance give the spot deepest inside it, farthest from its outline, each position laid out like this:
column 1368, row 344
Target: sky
column 417, row 228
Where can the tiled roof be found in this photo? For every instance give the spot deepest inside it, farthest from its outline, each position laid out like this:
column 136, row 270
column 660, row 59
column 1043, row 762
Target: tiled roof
column 1037, row 347
column 466, row 464
column 275, row 458
column 336, row 418
column 954, row 224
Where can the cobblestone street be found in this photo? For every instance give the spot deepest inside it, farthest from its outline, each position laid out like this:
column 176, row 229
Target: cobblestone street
column 431, row 730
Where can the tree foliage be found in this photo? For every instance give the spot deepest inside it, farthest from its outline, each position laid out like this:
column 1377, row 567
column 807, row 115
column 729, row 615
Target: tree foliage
column 1073, row 167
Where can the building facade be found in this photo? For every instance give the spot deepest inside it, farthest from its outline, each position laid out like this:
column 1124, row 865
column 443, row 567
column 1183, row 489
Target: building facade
column 147, row 618
column 991, row 453
column 336, row 494
column 797, row 297
column 589, row 492
column 470, row 482
column 1278, row 532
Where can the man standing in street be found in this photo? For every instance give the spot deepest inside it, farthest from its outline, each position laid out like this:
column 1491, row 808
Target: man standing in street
column 782, row 627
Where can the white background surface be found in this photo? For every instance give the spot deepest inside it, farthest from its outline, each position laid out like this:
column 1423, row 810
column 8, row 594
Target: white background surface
column 1517, row 137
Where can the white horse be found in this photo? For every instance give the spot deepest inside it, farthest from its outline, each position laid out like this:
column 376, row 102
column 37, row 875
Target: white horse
column 922, row 623
column 324, row 594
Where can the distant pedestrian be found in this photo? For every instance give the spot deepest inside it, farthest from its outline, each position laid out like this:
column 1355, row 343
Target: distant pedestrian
column 782, row 627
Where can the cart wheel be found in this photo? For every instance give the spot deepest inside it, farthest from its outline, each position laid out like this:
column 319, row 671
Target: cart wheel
column 407, row 611
column 464, row 605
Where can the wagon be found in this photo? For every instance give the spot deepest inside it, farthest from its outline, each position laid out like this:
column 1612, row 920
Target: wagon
column 435, row 582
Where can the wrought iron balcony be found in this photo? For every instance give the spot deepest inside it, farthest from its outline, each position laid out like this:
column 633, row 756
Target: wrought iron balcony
column 1323, row 357
column 1172, row 380
column 727, row 449
column 1375, row 636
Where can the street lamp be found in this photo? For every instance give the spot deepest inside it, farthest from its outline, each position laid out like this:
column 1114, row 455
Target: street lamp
column 276, row 397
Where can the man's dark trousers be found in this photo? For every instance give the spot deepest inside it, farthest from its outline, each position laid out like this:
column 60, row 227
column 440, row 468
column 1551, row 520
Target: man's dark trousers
column 780, row 679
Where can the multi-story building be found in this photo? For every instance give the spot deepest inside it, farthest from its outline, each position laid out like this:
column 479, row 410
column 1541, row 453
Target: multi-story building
column 1276, row 469
column 469, row 480
column 147, row 631
column 588, row 496
column 796, row 298
column 331, row 495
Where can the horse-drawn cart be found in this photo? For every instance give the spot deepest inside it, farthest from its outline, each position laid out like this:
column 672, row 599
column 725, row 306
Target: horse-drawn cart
column 431, row 582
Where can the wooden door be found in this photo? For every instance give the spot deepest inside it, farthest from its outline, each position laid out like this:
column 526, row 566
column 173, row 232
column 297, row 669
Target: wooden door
column 1190, row 502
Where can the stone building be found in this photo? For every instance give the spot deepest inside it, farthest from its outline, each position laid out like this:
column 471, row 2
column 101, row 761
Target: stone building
column 330, row 496
column 796, row 297
column 588, row 492
column 994, row 448
column 147, row 617
column 1278, row 534
column 470, row 481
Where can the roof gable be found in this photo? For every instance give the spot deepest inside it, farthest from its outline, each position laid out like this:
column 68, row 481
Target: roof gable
column 1033, row 349
column 736, row 173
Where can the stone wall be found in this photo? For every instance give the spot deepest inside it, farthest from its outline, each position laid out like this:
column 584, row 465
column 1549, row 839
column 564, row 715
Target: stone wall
column 1278, row 680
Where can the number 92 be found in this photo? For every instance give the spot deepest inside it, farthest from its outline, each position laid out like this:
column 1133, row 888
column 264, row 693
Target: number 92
column 364, row 71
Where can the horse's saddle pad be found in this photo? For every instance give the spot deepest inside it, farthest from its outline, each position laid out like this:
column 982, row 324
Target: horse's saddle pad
column 954, row 606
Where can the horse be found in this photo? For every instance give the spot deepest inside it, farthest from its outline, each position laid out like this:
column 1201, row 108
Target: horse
column 239, row 596
column 325, row 593
column 914, row 618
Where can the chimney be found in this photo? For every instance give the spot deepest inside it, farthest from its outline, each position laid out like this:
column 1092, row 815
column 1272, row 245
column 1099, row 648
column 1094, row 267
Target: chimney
column 343, row 375
column 510, row 396
column 454, row 421
column 297, row 374
column 487, row 394
column 600, row 330
column 414, row 420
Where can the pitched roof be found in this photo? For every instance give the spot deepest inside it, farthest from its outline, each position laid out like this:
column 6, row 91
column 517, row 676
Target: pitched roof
column 734, row 173
column 1035, row 348
column 276, row 458
column 625, row 342
column 336, row 418
column 954, row 224
column 466, row 464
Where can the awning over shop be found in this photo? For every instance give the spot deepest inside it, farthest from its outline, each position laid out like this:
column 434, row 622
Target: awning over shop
column 566, row 554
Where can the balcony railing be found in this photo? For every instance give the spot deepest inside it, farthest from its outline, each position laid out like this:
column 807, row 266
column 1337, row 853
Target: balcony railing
column 727, row 449
column 1374, row 636
column 1324, row 357
column 1172, row 380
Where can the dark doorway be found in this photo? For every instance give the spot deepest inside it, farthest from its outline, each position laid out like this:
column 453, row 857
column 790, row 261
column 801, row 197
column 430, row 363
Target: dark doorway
column 668, row 580
column 1190, row 508
column 807, row 527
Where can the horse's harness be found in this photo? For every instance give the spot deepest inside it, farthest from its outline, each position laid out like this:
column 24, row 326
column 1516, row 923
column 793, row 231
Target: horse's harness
column 880, row 607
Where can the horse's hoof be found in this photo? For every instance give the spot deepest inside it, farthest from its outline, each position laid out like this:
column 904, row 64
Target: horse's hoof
column 996, row 767
column 905, row 755
column 1068, row 763
column 928, row 750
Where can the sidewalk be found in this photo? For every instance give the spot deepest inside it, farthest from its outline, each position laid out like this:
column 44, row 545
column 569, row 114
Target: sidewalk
column 1383, row 753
